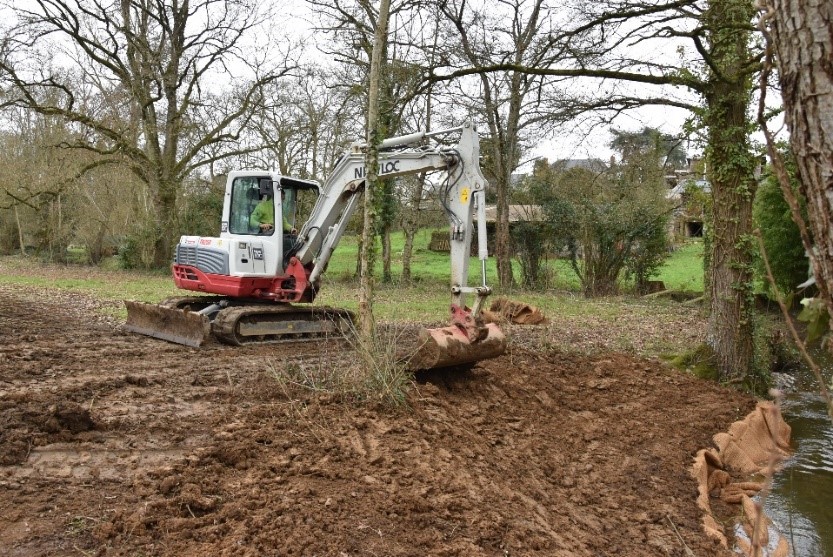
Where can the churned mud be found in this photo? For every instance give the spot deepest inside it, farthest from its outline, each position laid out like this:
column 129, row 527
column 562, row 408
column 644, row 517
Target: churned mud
column 114, row 444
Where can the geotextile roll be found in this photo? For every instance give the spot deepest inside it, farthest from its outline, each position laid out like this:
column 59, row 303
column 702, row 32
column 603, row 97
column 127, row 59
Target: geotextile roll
column 755, row 445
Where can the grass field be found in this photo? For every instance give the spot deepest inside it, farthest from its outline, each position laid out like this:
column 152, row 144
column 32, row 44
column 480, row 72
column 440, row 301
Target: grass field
column 425, row 299
column 682, row 271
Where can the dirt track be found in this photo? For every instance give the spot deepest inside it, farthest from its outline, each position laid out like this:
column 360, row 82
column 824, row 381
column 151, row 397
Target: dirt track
column 112, row 444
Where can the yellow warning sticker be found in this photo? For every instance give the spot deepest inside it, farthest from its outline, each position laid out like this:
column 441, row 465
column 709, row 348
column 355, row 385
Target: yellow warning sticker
column 464, row 195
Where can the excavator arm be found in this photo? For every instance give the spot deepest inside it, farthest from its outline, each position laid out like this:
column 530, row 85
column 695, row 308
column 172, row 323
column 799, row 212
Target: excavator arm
column 460, row 194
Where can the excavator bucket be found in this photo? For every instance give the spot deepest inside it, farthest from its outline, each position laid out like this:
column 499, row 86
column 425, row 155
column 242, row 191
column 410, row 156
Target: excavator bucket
column 171, row 324
column 451, row 346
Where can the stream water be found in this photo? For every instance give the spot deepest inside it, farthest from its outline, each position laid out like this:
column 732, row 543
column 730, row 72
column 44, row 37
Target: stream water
column 801, row 501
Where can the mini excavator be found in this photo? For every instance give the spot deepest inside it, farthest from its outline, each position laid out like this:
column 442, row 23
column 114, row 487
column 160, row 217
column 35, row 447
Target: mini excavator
column 258, row 285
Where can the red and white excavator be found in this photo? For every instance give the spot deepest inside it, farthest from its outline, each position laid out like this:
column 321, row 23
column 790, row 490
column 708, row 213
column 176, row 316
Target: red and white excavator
column 263, row 283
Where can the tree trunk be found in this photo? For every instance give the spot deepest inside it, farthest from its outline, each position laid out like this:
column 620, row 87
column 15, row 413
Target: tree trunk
column 359, row 252
column 385, row 216
column 802, row 34
column 510, row 151
column 731, row 174
column 503, row 253
column 410, row 226
column 165, row 204
column 19, row 231
column 386, row 256
column 502, row 152
column 407, row 251
column 366, row 320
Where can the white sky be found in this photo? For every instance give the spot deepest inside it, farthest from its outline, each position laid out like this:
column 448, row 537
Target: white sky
column 573, row 143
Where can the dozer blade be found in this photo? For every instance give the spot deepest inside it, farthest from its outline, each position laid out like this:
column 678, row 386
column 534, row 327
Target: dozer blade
column 450, row 346
column 171, row 324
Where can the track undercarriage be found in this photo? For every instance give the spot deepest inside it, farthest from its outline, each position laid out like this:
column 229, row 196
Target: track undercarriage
column 194, row 320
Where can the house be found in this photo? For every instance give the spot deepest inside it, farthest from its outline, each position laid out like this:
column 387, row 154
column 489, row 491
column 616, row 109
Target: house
column 517, row 213
column 688, row 217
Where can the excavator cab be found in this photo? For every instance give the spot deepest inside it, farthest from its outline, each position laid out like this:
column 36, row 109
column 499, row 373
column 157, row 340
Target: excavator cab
column 247, row 192
column 244, row 197
column 253, row 200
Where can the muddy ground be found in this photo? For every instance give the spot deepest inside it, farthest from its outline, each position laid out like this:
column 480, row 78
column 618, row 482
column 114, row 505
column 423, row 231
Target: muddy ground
column 113, row 444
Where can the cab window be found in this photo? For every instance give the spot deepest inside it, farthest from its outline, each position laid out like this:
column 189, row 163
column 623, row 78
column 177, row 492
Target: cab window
column 245, row 196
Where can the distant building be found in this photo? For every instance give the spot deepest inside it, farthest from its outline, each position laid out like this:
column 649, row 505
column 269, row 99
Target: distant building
column 688, row 217
column 517, row 213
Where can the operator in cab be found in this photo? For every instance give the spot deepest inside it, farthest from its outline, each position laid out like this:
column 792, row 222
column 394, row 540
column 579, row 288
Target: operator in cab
column 263, row 217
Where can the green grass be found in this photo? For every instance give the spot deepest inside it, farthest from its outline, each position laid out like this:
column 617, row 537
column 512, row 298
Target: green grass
column 426, row 299
column 684, row 269
column 106, row 284
column 426, row 265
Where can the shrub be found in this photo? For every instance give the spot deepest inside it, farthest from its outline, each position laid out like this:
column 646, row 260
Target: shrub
column 780, row 235
column 604, row 218
column 375, row 375
column 531, row 243
column 648, row 255
column 139, row 246
column 201, row 209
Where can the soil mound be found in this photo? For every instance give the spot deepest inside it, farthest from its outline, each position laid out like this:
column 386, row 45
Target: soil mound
column 26, row 424
column 503, row 309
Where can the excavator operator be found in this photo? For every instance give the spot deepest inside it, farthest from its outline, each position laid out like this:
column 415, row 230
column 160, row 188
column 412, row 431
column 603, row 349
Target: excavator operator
column 263, row 217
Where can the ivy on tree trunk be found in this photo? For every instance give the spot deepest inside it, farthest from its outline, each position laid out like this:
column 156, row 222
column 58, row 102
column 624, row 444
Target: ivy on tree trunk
column 731, row 174
column 366, row 320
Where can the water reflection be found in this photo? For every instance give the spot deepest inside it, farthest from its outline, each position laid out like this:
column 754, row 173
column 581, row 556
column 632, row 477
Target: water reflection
column 801, row 501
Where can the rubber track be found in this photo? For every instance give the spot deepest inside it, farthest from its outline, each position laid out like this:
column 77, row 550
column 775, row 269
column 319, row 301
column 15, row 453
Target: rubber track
column 224, row 326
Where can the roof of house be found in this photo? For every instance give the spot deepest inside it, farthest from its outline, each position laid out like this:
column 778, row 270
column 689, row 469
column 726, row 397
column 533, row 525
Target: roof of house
column 595, row 165
column 677, row 191
column 517, row 213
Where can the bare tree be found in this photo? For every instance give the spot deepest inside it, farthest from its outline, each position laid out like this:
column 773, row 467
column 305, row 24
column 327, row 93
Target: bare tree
column 156, row 64
column 48, row 212
column 374, row 138
column 352, row 27
column 303, row 125
column 31, row 189
column 511, row 101
column 601, row 46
